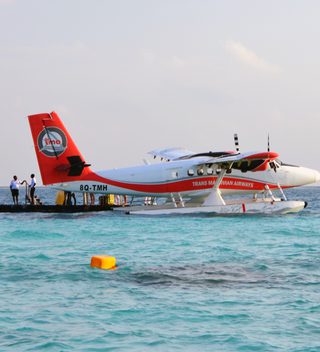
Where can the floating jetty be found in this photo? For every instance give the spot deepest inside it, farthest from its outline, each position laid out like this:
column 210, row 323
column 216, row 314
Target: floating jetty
column 66, row 203
column 28, row 208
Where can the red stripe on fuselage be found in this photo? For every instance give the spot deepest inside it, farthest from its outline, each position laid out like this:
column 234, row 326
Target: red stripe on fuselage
column 184, row 185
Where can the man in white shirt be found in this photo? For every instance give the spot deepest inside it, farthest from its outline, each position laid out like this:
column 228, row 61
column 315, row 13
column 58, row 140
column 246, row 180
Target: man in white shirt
column 32, row 188
column 14, row 187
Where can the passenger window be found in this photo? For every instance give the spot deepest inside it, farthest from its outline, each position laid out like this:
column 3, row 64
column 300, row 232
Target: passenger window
column 200, row 172
column 190, row 172
column 209, row 171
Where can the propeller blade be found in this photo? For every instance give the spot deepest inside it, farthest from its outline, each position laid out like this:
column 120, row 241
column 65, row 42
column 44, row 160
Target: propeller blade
column 236, row 142
column 271, row 163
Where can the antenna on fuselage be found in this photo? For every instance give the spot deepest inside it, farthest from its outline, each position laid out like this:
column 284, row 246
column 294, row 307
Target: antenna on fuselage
column 236, row 142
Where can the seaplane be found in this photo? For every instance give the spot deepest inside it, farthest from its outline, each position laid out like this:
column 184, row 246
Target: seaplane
column 194, row 183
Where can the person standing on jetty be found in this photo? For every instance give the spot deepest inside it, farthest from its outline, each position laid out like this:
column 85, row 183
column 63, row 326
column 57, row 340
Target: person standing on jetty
column 14, row 187
column 32, row 187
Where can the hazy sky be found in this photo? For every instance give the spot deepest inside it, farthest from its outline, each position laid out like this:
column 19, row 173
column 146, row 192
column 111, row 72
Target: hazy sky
column 129, row 76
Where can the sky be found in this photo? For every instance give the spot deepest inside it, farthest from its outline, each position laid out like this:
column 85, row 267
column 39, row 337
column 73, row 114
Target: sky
column 127, row 77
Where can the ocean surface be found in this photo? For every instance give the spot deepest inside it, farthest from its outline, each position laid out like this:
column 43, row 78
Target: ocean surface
column 235, row 283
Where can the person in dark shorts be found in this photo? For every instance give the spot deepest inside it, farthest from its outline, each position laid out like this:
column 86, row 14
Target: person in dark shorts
column 32, row 187
column 14, row 187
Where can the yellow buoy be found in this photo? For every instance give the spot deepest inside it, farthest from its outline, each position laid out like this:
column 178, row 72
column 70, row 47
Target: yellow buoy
column 103, row 262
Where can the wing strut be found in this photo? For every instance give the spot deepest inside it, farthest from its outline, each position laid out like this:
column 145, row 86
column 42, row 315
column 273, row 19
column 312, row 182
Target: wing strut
column 214, row 197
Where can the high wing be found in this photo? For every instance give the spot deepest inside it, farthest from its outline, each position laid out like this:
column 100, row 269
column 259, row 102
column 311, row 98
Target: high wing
column 171, row 154
column 250, row 161
column 249, row 156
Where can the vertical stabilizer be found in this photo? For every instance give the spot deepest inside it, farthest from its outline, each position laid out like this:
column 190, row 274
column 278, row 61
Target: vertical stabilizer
column 58, row 157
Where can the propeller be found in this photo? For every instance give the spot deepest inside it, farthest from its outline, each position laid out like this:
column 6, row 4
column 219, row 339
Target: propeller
column 271, row 163
column 236, row 142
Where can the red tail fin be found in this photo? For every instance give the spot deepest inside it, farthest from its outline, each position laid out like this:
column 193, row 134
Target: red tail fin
column 58, row 157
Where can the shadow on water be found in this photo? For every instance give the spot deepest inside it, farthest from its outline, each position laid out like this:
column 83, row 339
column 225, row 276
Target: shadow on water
column 220, row 275
column 172, row 276
column 200, row 276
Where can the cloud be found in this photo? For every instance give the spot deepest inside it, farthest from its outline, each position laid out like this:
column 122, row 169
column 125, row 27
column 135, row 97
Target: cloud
column 249, row 57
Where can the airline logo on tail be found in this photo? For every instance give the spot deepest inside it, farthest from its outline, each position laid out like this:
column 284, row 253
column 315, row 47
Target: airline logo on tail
column 52, row 141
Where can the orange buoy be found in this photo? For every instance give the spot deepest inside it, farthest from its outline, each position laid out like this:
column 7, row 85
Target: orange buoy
column 103, row 262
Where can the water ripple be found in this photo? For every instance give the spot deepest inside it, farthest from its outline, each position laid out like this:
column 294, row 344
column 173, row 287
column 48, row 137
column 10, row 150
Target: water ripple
column 209, row 284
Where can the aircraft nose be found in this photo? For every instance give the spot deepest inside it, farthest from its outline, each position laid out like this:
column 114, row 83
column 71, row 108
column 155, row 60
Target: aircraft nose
column 299, row 176
column 310, row 176
column 295, row 176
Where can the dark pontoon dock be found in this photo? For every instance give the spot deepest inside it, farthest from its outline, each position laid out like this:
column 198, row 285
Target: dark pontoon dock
column 28, row 208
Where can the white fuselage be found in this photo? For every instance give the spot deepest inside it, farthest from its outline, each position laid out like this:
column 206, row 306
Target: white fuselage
column 183, row 177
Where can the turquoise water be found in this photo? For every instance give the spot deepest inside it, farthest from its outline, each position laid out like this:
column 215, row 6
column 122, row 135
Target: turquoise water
column 183, row 283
